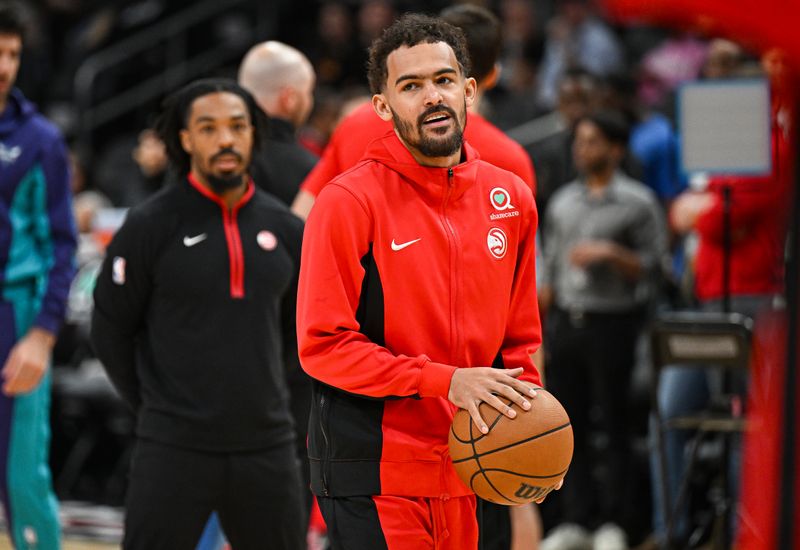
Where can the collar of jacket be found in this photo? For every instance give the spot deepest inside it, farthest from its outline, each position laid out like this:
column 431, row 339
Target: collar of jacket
column 18, row 110
column 210, row 195
column 431, row 181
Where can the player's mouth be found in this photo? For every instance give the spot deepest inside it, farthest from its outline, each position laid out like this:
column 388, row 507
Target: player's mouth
column 227, row 163
column 437, row 120
column 227, row 160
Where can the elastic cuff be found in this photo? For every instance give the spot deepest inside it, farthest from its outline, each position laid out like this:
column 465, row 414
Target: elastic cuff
column 48, row 323
column 435, row 379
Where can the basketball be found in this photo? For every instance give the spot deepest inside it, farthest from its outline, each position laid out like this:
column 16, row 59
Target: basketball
column 519, row 460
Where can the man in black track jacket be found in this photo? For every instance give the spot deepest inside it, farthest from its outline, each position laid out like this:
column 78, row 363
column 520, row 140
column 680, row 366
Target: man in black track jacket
column 189, row 313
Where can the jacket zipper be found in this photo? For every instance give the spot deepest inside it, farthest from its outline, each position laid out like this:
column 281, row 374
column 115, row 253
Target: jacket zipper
column 323, row 424
column 232, row 235
column 453, row 275
column 235, row 254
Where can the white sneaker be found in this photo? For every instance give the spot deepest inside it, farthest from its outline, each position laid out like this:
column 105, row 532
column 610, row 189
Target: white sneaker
column 567, row 536
column 609, row 536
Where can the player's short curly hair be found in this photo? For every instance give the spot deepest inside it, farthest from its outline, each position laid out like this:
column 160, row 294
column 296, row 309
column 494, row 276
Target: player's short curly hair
column 410, row 30
column 175, row 116
column 12, row 19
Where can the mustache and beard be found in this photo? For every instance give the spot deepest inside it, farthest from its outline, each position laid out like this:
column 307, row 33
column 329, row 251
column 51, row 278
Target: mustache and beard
column 424, row 143
column 225, row 182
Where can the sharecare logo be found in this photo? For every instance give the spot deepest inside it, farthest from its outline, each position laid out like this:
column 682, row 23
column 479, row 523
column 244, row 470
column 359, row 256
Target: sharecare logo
column 497, row 242
column 500, row 199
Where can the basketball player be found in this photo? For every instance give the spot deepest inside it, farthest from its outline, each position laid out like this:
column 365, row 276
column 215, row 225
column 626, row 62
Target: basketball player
column 417, row 278
column 483, row 32
column 37, row 249
column 189, row 310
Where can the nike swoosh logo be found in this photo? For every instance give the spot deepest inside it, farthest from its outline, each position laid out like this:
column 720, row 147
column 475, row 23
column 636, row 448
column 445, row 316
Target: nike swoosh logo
column 191, row 241
column 401, row 246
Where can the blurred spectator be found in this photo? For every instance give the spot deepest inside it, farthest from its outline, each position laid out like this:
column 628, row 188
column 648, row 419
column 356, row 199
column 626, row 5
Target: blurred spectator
column 129, row 173
column 281, row 80
column 552, row 155
column 314, row 135
column 334, row 50
column 373, row 16
column 605, row 237
column 513, row 100
column 676, row 60
column 653, row 145
column 758, row 213
column 723, row 59
column 576, row 37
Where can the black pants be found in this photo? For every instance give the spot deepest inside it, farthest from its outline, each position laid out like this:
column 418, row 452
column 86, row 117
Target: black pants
column 172, row 492
column 590, row 360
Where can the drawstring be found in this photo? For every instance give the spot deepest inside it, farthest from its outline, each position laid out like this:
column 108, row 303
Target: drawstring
column 440, row 532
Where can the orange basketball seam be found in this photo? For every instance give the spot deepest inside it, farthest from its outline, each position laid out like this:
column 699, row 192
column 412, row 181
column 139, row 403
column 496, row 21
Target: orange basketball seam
column 480, row 466
column 477, row 455
column 481, row 436
column 518, row 474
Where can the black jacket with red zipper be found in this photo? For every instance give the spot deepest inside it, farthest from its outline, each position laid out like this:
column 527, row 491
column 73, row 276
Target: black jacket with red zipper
column 189, row 312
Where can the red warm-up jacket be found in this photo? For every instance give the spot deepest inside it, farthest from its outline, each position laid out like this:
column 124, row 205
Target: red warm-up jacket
column 407, row 273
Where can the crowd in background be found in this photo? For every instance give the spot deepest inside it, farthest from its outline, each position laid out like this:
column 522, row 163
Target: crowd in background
column 561, row 61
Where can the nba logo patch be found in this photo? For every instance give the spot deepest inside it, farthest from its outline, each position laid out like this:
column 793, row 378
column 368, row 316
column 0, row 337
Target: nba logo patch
column 118, row 270
column 267, row 240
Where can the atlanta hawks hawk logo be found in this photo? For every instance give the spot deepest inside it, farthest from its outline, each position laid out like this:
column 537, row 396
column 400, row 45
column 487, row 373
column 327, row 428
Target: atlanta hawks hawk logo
column 497, row 242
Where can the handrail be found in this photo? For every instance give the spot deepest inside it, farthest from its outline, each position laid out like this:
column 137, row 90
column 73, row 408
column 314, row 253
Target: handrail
column 180, row 66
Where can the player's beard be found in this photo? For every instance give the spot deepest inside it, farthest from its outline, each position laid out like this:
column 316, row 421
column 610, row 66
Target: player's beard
column 221, row 184
column 428, row 146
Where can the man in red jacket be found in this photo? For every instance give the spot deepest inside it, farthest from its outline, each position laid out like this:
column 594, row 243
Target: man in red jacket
column 417, row 279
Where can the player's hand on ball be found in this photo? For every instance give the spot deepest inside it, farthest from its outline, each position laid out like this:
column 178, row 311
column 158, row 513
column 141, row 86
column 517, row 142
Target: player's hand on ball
column 556, row 488
column 470, row 387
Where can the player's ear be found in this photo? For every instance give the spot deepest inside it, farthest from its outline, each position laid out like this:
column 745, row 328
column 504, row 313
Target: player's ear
column 381, row 107
column 470, row 90
column 186, row 141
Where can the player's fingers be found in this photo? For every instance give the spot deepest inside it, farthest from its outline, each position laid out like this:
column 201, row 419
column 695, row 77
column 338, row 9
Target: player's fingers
column 14, row 382
column 21, row 377
column 501, row 405
column 475, row 413
column 11, row 366
column 522, row 388
column 513, row 394
column 513, row 372
column 544, row 496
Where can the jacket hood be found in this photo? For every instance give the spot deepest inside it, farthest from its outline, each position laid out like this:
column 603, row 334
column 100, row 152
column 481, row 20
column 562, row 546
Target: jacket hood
column 17, row 111
column 392, row 153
